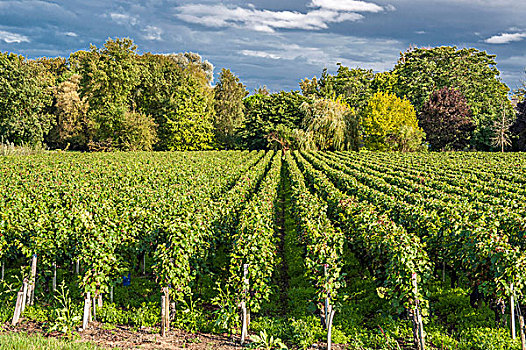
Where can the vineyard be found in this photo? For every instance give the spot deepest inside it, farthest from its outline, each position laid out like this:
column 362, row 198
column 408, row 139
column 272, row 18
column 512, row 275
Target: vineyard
column 369, row 250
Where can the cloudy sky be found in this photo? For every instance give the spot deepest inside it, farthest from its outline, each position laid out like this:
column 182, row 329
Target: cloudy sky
column 273, row 42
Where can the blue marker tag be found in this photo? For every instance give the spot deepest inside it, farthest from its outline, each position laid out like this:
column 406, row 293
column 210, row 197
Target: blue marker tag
column 126, row 281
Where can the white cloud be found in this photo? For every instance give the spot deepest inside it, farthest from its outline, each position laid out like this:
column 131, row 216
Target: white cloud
column 262, row 54
column 517, row 61
column 323, row 13
column 11, row 38
column 149, row 32
column 122, row 18
column 72, row 34
column 506, row 38
column 321, row 50
column 347, row 5
column 292, row 52
column 153, row 33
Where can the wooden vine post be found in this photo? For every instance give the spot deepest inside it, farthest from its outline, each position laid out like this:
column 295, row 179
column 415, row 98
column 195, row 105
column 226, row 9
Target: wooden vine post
column 31, row 286
column 521, row 332
column 165, row 311
column 94, row 308
column 87, row 311
column 418, row 327
column 512, row 308
column 167, row 300
column 329, row 312
column 24, row 296
column 18, row 307
column 244, row 313
column 54, row 283
column 3, row 268
column 96, row 302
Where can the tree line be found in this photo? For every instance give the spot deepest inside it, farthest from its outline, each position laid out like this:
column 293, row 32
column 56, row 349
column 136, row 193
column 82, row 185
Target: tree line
column 113, row 98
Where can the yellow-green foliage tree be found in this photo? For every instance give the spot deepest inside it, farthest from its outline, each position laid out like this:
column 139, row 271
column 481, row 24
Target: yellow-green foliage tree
column 229, row 108
column 390, row 124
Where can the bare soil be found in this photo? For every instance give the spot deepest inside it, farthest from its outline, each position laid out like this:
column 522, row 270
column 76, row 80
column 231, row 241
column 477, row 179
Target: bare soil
column 124, row 337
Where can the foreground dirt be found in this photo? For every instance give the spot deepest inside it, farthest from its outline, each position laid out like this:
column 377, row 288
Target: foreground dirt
column 126, row 338
column 123, row 337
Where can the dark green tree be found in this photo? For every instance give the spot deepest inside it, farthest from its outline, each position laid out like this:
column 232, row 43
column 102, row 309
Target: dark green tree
column 26, row 98
column 419, row 72
column 110, row 77
column 263, row 113
column 518, row 128
column 353, row 84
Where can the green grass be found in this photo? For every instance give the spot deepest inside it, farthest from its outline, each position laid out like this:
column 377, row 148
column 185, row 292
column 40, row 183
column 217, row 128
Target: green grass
column 23, row 341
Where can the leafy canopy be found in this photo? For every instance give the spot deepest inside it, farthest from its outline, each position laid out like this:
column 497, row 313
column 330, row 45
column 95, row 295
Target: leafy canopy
column 329, row 123
column 446, row 120
column 26, row 98
column 390, row 124
column 421, row 71
column 229, row 108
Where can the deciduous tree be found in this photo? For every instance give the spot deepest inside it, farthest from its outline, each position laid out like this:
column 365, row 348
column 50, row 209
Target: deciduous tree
column 331, row 124
column 229, row 108
column 390, row 124
column 447, row 121
column 180, row 101
column 26, row 97
column 518, row 128
column 353, row 84
column 263, row 113
column 110, row 77
column 72, row 124
column 422, row 71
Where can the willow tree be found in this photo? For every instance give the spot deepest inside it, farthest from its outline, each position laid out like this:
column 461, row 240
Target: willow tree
column 330, row 124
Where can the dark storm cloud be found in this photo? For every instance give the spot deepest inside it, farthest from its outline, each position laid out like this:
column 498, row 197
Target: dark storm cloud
column 272, row 42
